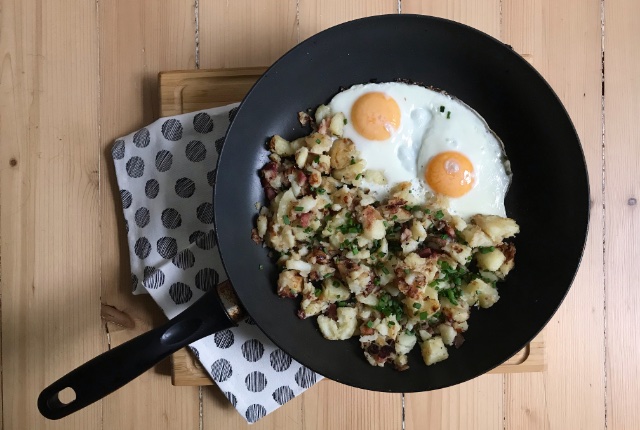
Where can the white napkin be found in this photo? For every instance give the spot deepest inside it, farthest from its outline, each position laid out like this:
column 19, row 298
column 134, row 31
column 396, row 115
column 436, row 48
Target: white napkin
column 165, row 174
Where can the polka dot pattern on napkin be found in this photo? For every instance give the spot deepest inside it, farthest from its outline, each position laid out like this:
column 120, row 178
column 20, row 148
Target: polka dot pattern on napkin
column 166, row 173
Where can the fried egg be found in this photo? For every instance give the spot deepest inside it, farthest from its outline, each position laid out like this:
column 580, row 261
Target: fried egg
column 436, row 142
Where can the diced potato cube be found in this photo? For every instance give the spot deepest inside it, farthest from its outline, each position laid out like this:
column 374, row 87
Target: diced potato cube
column 458, row 252
column 475, row 237
column 301, row 156
column 433, row 351
column 336, row 127
column 318, row 143
column 289, row 284
column 350, row 172
column 342, row 152
column 405, row 343
column 280, row 146
column 497, row 228
column 447, row 333
column 342, row 329
column 261, row 225
column 479, row 291
column 491, row 260
column 418, row 231
column 334, row 291
column 322, row 112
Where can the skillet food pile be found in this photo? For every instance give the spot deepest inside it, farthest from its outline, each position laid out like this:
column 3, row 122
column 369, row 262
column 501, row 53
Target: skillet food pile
column 388, row 219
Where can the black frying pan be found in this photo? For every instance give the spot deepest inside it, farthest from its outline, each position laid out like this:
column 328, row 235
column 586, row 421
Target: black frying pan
column 549, row 198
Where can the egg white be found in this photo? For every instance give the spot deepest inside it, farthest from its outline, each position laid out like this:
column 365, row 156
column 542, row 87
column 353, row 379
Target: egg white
column 431, row 122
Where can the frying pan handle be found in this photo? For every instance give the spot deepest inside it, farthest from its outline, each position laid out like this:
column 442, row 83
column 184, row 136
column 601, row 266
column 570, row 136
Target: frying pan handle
column 109, row 371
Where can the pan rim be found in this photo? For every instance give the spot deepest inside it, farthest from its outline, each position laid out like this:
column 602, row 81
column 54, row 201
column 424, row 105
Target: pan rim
column 523, row 63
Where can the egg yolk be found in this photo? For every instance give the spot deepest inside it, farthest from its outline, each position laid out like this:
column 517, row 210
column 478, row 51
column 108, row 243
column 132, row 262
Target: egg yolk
column 450, row 173
column 375, row 116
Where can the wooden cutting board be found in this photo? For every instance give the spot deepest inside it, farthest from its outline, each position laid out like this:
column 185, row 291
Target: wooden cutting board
column 188, row 91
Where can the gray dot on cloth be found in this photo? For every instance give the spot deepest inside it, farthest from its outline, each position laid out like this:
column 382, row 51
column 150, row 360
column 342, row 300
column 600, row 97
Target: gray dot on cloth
column 283, row 394
column 117, row 152
column 211, row 177
column 153, row 278
column 171, row 218
column 250, row 321
column 202, row 123
column 172, row 129
column 219, row 144
column 180, row 293
column 126, row 198
column 185, row 187
column 184, row 259
column 142, row 248
column 142, row 217
column 152, row 188
column 252, row 350
column 221, row 370
column 135, row 167
column 223, row 339
column 305, row 378
column 255, row 412
column 164, row 159
column 204, row 212
column 206, row 279
column 134, row 282
column 167, row 247
column 229, row 395
column 632, row 202
column 195, row 151
column 203, row 240
column 280, row 360
column 255, row 382
column 142, row 138
column 126, row 226
column 195, row 352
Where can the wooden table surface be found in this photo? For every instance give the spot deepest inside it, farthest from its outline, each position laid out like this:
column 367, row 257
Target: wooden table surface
column 77, row 74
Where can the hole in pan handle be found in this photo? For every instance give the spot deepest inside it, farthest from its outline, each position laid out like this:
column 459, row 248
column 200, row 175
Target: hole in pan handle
column 115, row 368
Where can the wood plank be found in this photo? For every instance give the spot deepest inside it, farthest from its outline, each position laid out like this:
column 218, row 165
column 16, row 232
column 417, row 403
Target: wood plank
column 49, row 203
column 137, row 40
column 483, row 15
column 245, row 33
column 622, row 216
column 315, row 16
column 564, row 39
column 331, row 405
column 476, row 404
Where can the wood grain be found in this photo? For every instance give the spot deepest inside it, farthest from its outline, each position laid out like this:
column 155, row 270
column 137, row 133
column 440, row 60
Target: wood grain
column 455, row 408
column 622, row 192
column 49, row 203
column 245, row 33
column 565, row 43
column 315, row 16
column 137, row 40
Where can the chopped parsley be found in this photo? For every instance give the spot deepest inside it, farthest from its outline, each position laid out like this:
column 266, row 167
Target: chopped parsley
column 318, row 141
column 370, row 324
column 385, row 270
column 353, row 161
column 439, row 215
column 441, row 108
column 318, row 292
column 449, row 114
column 299, row 208
column 317, row 159
column 321, row 190
column 286, row 220
column 328, row 275
column 308, row 230
column 344, row 121
column 417, row 305
column 358, row 176
column 424, row 315
column 391, row 323
column 486, row 249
